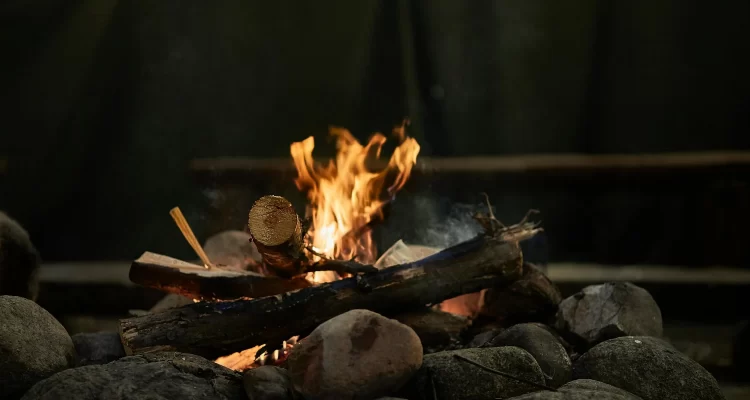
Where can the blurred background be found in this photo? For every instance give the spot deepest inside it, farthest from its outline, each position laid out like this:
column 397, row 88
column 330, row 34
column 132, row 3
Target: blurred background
column 113, row 112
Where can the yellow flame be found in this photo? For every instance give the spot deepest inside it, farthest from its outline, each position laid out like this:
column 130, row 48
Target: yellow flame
column 345, row 194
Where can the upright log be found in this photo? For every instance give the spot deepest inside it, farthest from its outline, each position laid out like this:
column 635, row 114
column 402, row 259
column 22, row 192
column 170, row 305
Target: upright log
column 218, row 329
column 277, row 233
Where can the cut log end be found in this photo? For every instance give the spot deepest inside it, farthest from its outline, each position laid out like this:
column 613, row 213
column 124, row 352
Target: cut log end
column 277, row 233
column 273, row 221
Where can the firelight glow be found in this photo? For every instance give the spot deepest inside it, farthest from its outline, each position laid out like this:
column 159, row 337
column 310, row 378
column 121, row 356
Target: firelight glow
column 345, row 194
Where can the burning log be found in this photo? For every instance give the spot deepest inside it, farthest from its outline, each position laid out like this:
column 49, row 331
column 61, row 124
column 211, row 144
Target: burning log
column 277, row 233
column 176, row 276
column 216, row 329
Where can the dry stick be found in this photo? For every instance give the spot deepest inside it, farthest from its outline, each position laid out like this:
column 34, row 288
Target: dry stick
column 182, row 223
column 505, row 374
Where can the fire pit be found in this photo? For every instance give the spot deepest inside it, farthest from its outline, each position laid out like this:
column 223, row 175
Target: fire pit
column 310, row 310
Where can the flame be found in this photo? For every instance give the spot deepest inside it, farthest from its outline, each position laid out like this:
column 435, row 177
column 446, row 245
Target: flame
column 346, row 194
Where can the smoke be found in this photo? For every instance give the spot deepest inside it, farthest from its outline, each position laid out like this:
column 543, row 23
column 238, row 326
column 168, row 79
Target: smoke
column 441, row 223
column 214, row 197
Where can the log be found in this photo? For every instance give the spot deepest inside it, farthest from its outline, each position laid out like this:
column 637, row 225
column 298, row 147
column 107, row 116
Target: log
column 217, row 329
column 176, row 276
column 277, row 234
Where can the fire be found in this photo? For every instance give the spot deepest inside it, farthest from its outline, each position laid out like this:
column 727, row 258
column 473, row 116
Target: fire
column 346, row 194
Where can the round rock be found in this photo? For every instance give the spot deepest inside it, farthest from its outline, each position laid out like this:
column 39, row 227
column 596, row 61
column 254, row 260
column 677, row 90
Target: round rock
column 452, row 378
column 647, row 367
column 33, row 345
column 165, row 375
column 358, row 354
column 233, row 250
column 581, row 389
column 268, row 383
column 19, row 260
column 543, row 346
column 606, row 311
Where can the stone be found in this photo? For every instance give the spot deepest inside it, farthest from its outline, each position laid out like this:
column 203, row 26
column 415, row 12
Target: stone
column 233, row 250
column 647, row 367
column 268, row 383
column 581, row 385
column 171, row 300
column 581, row 389
column 33, row 346
column 97, row 348
column 532, row 298
column 606, row 311
column 166, row 375
column 358, row 354
column 454, row 379
column 437, row 330
column 483, row 339
column 543, row 346
column 19, row 260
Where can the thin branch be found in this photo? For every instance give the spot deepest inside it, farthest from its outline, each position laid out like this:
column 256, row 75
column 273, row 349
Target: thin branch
column 188, row 234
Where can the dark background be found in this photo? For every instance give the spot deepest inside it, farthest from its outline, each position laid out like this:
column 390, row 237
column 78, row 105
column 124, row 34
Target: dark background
column 105, row 102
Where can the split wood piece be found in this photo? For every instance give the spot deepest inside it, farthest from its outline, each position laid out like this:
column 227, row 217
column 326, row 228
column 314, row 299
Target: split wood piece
column 216, row 329
column 176, row 276
column 277, row 233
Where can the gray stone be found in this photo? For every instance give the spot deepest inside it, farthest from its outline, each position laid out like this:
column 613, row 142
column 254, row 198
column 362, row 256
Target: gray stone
column 647, row 367
column 33, row 346
column 437, row 330
column 97, row 348
column 171, row 300
column 358, row 354
column 167, row 375
column 482, row 339
column 268, row 383
column 606, row 311
column 19, row 260
column 581, row 385
column 454, row 379
column 233, row 250
column 582, row 389
column 543, row 346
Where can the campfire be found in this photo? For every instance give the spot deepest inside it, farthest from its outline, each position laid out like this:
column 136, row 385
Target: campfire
column 345, row 198
column 331, row 245
column 305, row 307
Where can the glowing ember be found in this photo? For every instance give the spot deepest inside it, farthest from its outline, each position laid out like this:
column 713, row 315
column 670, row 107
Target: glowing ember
column 345, row 194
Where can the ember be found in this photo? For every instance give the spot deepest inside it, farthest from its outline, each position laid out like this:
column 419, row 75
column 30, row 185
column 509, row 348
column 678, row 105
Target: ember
column 346, row 194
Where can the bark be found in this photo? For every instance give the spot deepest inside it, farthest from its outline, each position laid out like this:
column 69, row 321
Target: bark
column 218, row 329
column 277, row 234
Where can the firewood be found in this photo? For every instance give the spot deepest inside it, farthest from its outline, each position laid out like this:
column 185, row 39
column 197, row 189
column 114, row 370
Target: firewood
column 176, row 276
column 277, row 233
column 216, row 329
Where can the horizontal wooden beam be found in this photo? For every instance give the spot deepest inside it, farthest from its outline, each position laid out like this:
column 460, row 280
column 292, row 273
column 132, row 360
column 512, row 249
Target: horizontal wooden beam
column 116, row 273
column 512, row 164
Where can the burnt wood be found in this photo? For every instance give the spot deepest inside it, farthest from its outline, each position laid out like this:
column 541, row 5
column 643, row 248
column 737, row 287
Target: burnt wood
column 176, row 276
column 217, row 329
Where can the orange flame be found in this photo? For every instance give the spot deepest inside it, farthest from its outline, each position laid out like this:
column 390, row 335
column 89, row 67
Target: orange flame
column 346, row 193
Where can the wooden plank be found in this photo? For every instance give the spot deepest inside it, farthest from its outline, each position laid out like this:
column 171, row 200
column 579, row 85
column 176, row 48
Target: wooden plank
column 116, row 273
column 511, row 164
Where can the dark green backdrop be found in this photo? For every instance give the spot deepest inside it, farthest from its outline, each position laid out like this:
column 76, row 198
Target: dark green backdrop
column 104, row 102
